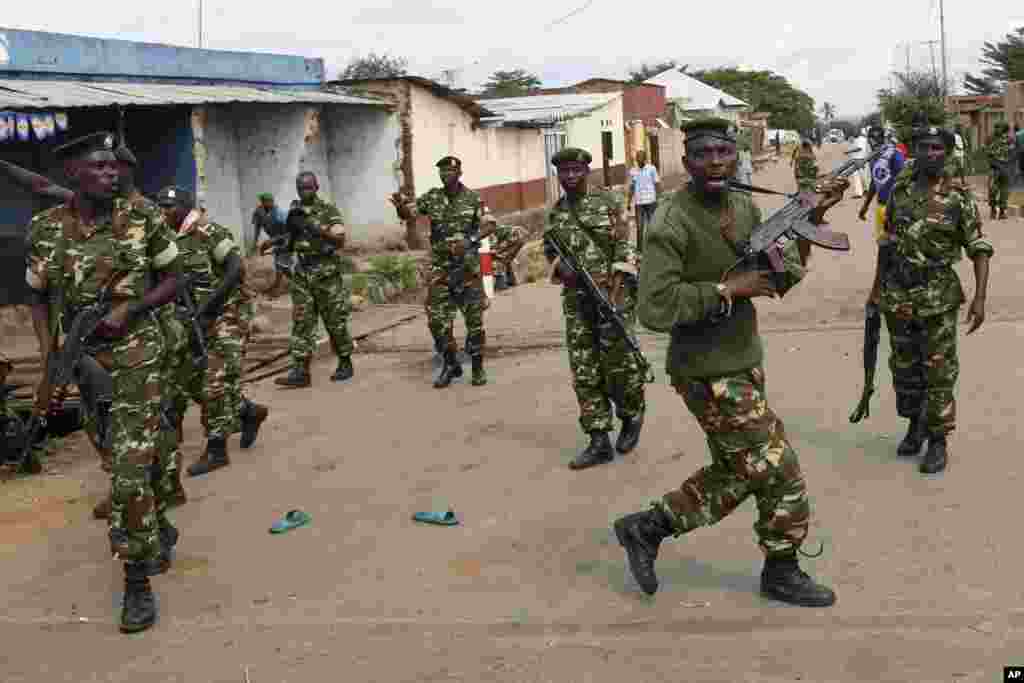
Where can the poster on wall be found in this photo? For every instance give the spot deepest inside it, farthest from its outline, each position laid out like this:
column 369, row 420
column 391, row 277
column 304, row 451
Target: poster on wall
column 39, row 126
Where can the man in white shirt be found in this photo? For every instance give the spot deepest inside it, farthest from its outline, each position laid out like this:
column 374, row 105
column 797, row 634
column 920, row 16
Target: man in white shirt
column 862, row 179
column 644, row 187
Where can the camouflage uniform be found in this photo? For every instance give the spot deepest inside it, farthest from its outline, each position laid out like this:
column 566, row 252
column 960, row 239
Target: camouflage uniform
column 921, row 294
column 506, row 245
column 454, row 219
column 998, row 151
column 602, row 366
column 318, row 288
column 134, row 241
column 806, row 171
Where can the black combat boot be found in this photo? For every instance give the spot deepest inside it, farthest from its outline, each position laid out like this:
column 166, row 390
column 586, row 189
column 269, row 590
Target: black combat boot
column 178, row 497
column 138, row 611
column 253, row 415
column 168, row 539
column 344, row 371
column 912, row 442
column 640, row 534
column 934, row 460
column 452, row 369
column 500, row 282
column 782, row 579
column 992, row 212
column 598, row 452
column 629, row 437
column 298, row 377
column 479, row 374
column 510, row 276
column 1002, row 214
column 215, row 457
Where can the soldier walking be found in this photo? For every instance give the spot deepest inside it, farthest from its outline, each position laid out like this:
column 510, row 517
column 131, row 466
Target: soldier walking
column 931, row 220
column 458, row 221
column 715, row 364
column 592, row 224
column 998, row 151
column 317, row 287
column 107, row 245
column 212, row 260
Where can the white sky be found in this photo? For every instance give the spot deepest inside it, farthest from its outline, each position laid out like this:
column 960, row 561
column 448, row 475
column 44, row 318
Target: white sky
column 823, row 48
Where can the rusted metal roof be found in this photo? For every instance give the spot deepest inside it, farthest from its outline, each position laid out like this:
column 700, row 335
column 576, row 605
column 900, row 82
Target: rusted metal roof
column 466, row 102
column 30, row 94
column 548, row 109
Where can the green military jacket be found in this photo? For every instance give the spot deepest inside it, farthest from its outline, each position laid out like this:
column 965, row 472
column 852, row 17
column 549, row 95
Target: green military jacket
column 455, row 218
column 929, row 233
column 998, row 148
column 806, row 172
column 322, row 214
column 204, row 248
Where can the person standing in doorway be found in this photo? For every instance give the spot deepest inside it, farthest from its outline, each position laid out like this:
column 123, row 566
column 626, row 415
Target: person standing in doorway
column 644, row 188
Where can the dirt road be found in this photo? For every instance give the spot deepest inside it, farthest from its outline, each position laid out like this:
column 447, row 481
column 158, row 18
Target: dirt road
column 532, row 586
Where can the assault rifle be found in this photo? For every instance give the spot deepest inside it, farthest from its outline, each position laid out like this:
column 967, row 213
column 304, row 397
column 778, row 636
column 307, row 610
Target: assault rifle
column 196, row 337
column 60, row 372
column 764, row 248
column 605, row 310
column 872, row 337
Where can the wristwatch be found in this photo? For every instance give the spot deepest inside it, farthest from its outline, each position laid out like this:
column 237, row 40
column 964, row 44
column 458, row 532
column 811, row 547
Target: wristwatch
column 723, row 291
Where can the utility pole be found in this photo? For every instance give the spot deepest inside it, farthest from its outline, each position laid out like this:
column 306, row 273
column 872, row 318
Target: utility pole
column 942, row 29
column 931, row 49
column 200, row 23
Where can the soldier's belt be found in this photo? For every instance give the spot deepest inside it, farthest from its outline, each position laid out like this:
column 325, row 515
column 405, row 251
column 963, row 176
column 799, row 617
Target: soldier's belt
column 911, row 275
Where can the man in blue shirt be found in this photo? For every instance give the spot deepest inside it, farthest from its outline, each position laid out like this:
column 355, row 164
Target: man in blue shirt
column 883, row 175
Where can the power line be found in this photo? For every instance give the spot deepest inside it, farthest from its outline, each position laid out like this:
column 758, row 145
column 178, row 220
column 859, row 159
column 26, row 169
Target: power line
column 568, row 16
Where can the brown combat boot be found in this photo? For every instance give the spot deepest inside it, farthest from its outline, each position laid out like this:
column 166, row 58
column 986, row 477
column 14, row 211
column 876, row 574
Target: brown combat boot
column 178, row 497
column 102, row 509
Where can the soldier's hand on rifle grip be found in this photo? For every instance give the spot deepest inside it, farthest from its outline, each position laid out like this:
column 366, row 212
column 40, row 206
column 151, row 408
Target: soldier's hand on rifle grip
column 457, row 247
column 115, row 325
column 563, row 274
column 750, row 284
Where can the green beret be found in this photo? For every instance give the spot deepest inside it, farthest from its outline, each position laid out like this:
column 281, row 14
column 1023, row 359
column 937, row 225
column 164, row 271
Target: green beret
column 450, row 162
column 265, row 197
column 570, row 154
column 174, row 196
column 87, row 144
column 710, row 126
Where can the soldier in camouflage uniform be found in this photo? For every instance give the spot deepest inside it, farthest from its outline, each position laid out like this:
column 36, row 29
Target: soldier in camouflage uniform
column 109, row 244
column 458, row 218
column 805, row 167
column 593, row 226
column 317, row 287
column 212, row 259
column 998, row 152
column 715, row 363
column 509, row 241
column 931, row 221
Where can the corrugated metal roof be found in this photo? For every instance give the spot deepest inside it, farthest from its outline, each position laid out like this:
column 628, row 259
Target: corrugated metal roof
column 695, row 95
column 548, row 109
column 25, row 94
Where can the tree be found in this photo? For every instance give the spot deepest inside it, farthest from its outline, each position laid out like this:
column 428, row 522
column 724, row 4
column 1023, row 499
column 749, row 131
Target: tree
column 872, row 119
column 828, row 112
column 510, row 83
column 766, row 91
column 1003, row 62
column 374, row 66
column 645, row 70
column 850, row 127
column 916, row 93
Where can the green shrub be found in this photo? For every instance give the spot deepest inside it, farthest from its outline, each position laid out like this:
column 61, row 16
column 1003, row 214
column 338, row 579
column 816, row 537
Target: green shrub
column 400, row 271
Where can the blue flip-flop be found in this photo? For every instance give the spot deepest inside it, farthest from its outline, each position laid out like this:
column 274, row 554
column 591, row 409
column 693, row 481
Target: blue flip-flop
column 293, row 520
column 442, row 518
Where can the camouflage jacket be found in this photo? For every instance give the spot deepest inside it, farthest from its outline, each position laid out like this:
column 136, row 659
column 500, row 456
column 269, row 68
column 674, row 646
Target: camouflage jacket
column 929, row 235
column 451, row 219
column 321, row 214
column 597, row 234
column 998, row 149
column 204, row 247
column 86, row 259
column 806, row 172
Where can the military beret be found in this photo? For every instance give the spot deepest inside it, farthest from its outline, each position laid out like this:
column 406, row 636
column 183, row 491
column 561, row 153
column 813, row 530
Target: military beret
column 571, row 154
column 265, row 197
column 709, row 126
column 174, row 196
column 449, row 162
column 124, row 154
column 86, row 144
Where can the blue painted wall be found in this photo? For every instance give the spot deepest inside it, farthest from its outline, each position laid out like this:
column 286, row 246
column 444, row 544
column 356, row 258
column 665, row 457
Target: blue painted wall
column 36, row 54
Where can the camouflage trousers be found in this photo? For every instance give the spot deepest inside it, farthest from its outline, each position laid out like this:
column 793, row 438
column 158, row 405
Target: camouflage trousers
column 749, row 456
column 441, row 308
column 998, row 190
column 319, row 292
column 138, row 500
column 925, row 368
column 603, row 369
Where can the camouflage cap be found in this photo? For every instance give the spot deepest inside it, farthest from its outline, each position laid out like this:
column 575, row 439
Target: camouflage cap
column 571, row 154
column 265, row 197
column 709, row 126
column 125, row 155
column 86, row 144
column 174, row 196
column 450, row 162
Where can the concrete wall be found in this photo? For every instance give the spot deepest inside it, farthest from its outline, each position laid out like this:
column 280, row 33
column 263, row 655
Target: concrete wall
column 36, row 54
column 215, row 143
column 585, row 132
